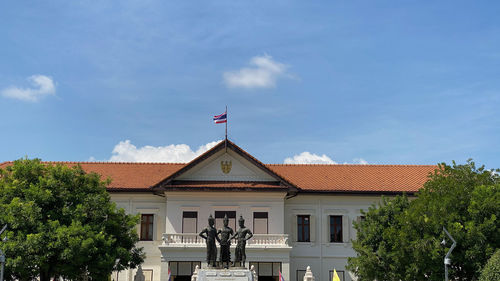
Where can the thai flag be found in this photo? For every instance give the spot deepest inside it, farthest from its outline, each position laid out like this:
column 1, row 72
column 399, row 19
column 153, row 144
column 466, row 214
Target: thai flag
column 169, row 274
column 218, row 119
column 281, row 276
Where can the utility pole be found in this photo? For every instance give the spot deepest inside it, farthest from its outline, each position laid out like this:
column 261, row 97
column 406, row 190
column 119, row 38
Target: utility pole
column 447, row 260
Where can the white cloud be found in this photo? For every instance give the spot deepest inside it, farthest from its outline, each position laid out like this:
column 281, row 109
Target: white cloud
column 125, row 151
column 311, row 158
column 41, row 86
column 360, row 161
column 263, row 73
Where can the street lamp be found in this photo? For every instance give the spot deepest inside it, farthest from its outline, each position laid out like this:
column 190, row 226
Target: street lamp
column 117, row 261
column 447, row 260
column 2, row 256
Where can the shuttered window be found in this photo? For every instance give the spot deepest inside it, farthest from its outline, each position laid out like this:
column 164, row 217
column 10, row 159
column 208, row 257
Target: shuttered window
column 189, row 222
column 336, row 229
column 147, row 227
column 219, row 219
column 260, row 222
column 303, row 228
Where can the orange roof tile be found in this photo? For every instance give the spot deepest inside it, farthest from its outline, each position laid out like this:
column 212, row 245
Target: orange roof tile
column 124, row 175
column 356, row 178
column 312, row 178
column 132, row 175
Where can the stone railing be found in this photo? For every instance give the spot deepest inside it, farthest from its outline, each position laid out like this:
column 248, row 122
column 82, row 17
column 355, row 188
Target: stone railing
column 268, row 239
column 182, row 239
column 194, row 240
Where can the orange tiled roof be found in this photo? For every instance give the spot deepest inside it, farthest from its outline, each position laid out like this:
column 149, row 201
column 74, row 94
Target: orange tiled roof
column 356, row 178
column 314, row 178
column 124, row 175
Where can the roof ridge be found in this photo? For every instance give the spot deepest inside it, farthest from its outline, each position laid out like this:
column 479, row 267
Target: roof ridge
column 266, row 164
column 357, row 165
column 113, row 162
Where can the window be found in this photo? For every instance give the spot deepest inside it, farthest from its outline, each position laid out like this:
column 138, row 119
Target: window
column 267, row 270
column 340, row 273
column 300, row 275
column 219, row 219
column 147, row 227
column 260, row 223
column 182, row 270
column 303, row 228
column 336, row 229
column 189, row 222
column 360, row 219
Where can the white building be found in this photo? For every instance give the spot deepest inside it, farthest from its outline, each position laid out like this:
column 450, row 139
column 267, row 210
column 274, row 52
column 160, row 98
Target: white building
column 301, row 215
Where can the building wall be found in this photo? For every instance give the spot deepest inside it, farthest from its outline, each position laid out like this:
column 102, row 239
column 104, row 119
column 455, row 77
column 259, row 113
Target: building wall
column 206, row 203
column 322, row 255
column 144, row 203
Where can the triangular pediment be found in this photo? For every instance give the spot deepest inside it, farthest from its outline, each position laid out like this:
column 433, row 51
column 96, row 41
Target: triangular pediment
column 225, row 165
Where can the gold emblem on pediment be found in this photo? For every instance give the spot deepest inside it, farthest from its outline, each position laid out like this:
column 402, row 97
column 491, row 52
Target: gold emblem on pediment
column 225, row 166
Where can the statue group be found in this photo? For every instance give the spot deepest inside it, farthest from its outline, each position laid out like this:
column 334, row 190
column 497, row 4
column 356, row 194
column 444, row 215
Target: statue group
column 224, row 237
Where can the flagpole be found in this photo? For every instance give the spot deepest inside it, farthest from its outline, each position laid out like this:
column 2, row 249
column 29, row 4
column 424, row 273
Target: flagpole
column 226, row 130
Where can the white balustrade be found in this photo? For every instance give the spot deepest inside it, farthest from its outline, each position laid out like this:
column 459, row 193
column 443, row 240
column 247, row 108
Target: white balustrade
column 268, row 239
column 194, row 240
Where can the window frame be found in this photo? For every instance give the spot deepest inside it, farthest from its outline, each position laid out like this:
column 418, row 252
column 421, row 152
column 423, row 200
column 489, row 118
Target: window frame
column 195, row 217
column 145, row 225
column 298, row 273
column 338, row 271
column 175, row 271
column 301, row 226
column 256, row 265
column 267, row 221
column 333, row 227
column 217, row 215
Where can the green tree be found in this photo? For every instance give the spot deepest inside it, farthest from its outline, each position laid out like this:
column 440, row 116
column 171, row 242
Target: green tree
column 491, row 271
column 463, row 198
column 377, row 241
column 62, row 223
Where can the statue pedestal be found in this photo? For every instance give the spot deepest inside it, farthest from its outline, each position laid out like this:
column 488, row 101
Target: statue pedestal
column 231, row 274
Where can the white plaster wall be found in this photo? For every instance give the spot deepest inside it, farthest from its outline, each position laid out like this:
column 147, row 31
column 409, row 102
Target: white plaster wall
column 320, row 254
column 144, row 203
column 244, row 203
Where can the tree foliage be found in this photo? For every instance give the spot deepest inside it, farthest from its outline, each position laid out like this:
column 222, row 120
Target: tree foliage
column 61, row 222
column 491, row 272
column 400, row 238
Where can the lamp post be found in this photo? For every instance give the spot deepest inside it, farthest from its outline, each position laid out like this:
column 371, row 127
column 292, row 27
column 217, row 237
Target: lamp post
column 447, row 260
column 117, row 261
column 2, row 256
column 2, row 262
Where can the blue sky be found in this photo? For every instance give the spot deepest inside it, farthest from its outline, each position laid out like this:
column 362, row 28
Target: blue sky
column 382, row 82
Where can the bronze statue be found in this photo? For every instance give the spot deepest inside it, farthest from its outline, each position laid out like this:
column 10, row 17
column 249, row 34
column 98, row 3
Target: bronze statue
column 225, row 243
column 210, row 235
column 241, row 235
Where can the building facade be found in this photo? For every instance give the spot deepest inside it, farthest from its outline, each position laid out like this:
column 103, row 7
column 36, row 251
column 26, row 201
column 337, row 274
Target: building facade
column 301, row 215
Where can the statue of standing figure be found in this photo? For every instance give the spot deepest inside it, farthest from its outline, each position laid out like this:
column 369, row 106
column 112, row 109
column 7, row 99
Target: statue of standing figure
column 209, row 233
column 225, row 243
column 241, row 235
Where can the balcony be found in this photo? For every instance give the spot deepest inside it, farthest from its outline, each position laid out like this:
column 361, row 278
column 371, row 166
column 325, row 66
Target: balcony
column 193, row 240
